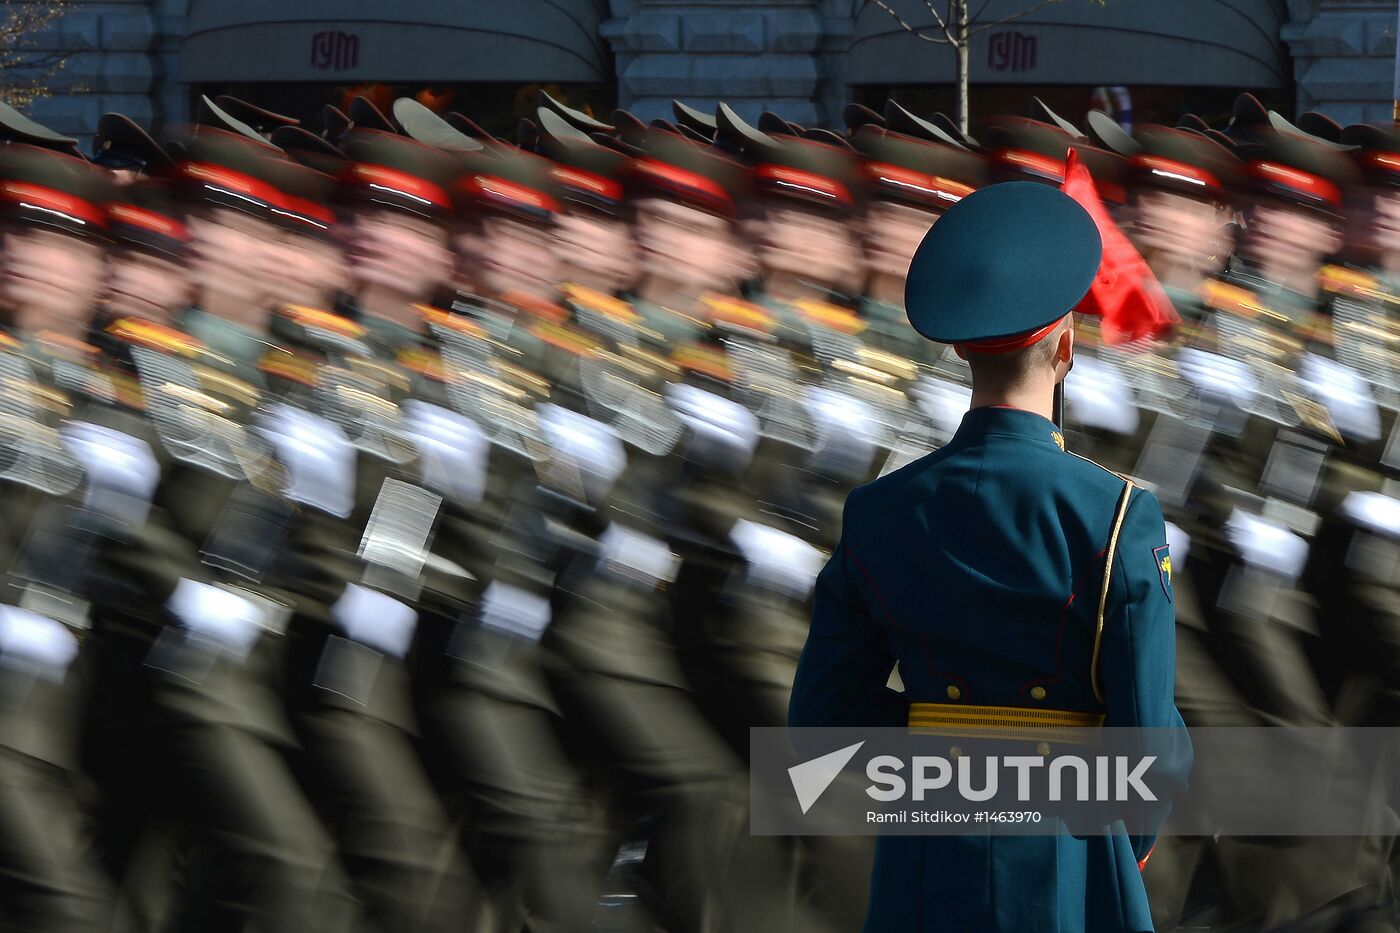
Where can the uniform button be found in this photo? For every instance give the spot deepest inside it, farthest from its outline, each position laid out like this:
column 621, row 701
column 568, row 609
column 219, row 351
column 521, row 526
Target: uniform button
column 954, row 752
column 1043, row 749
column 1037, row 693
column 953, row 692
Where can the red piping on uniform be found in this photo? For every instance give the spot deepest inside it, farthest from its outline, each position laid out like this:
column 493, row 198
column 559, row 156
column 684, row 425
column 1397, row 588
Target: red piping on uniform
column 1060, row 633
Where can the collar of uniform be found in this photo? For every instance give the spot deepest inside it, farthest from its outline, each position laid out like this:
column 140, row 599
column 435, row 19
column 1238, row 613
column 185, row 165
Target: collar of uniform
column 1004, row 421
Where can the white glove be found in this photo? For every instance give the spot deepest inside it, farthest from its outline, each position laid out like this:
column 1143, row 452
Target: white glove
column 36, row 642
column 375, row 620
column 217, row 615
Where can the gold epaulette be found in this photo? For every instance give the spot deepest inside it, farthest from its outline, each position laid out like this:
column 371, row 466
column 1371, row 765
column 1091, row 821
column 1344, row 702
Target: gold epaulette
column 604, row 304
column 126, row 390
column 290, row 366
column 447, row 319
column 564, row 337
column 1342, row 280
column 9, row 343
column 1222, row 296
column 725, row 310
column 221, row 384
column 700, row 359
column 423, row 362
column 65, row 346
column 323, row 320
column 154, row 336
column 829, row 315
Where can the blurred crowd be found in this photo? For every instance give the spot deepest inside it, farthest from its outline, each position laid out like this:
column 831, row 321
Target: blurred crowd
column 403, row 527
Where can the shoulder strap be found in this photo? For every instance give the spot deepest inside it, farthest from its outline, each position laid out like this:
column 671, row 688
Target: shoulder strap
column 1107, row 576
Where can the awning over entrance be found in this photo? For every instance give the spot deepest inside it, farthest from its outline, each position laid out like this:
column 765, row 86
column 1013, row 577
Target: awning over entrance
column 403, row 41
column 1185, row 43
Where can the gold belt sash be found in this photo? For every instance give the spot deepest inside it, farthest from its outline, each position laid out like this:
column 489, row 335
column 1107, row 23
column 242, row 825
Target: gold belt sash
column 1005, row 722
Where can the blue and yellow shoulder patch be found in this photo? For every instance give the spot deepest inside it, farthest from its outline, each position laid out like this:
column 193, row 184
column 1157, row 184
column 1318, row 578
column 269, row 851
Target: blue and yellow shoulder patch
column 1164, row 567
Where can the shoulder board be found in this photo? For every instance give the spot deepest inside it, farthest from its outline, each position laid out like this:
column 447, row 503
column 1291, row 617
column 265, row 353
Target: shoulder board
column 423, row 362
column 703, row 360
column 322, row 320
column 126, row 390
column 829, row 315
column 1123, row 476
column 735, row 311
column 564, row 337
column 540, row 307
column 154, row 336
column 1346, row 281
column 290, row 366
column 386, row 374
column 1222, row 296
column 595, row 300
column 223, row 385
column 1316, row 328
column 449, row 321
column 9, row 343
column 66, row 346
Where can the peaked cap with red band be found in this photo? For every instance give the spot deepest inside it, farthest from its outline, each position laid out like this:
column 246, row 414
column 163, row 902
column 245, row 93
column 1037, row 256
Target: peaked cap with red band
column 1002, row 267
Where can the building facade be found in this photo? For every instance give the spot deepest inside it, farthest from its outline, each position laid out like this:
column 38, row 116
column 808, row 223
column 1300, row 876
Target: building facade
column 1145, row 59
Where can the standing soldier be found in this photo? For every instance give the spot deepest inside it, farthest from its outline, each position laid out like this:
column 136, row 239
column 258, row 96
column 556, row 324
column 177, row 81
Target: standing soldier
column 933, row 571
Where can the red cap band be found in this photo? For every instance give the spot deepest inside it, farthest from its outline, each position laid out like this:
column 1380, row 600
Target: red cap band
column 1297, row 181
column 1007, row 344
column 394, row 181
column 678, row 179
column 805, row 181
column 42, row 198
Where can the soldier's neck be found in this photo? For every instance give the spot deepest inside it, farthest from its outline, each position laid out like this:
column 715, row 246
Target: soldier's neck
column 886, row 288
column 388, row 304
column 1038, row 398
column 667, row 294
column 235, row 309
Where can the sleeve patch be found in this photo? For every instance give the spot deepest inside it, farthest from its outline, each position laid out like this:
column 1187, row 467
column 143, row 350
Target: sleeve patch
column 1162, row 555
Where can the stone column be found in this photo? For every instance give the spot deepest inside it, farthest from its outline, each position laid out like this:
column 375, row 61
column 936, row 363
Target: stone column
column 756, row 56
column 111, row 65
column 1343, row 57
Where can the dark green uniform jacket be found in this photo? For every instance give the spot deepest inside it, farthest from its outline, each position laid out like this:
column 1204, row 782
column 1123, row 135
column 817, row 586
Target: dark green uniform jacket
column 978, row 569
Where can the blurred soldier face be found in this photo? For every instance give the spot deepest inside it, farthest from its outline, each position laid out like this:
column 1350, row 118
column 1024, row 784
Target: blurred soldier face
column 1385, row 228
column 50, row 280
column 892, row 232
column 234, row 263
column 596, row 251
column 1181, row 230
column 807, row 244
column 313, row 271
column 146, row 285
column 1288, row 238
column 398, row 252
column 690, row 247
column 504, row 254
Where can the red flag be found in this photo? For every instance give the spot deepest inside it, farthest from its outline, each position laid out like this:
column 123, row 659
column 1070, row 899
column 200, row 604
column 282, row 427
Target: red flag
column 1125, row 294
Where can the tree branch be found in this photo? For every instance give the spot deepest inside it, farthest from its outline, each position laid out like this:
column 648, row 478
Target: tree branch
column 942, row 24
column 978, row 15
column 1012, row 18
column 945, row 39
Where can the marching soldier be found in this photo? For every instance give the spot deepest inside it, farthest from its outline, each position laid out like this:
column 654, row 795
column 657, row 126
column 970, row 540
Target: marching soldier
column 54, row 224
